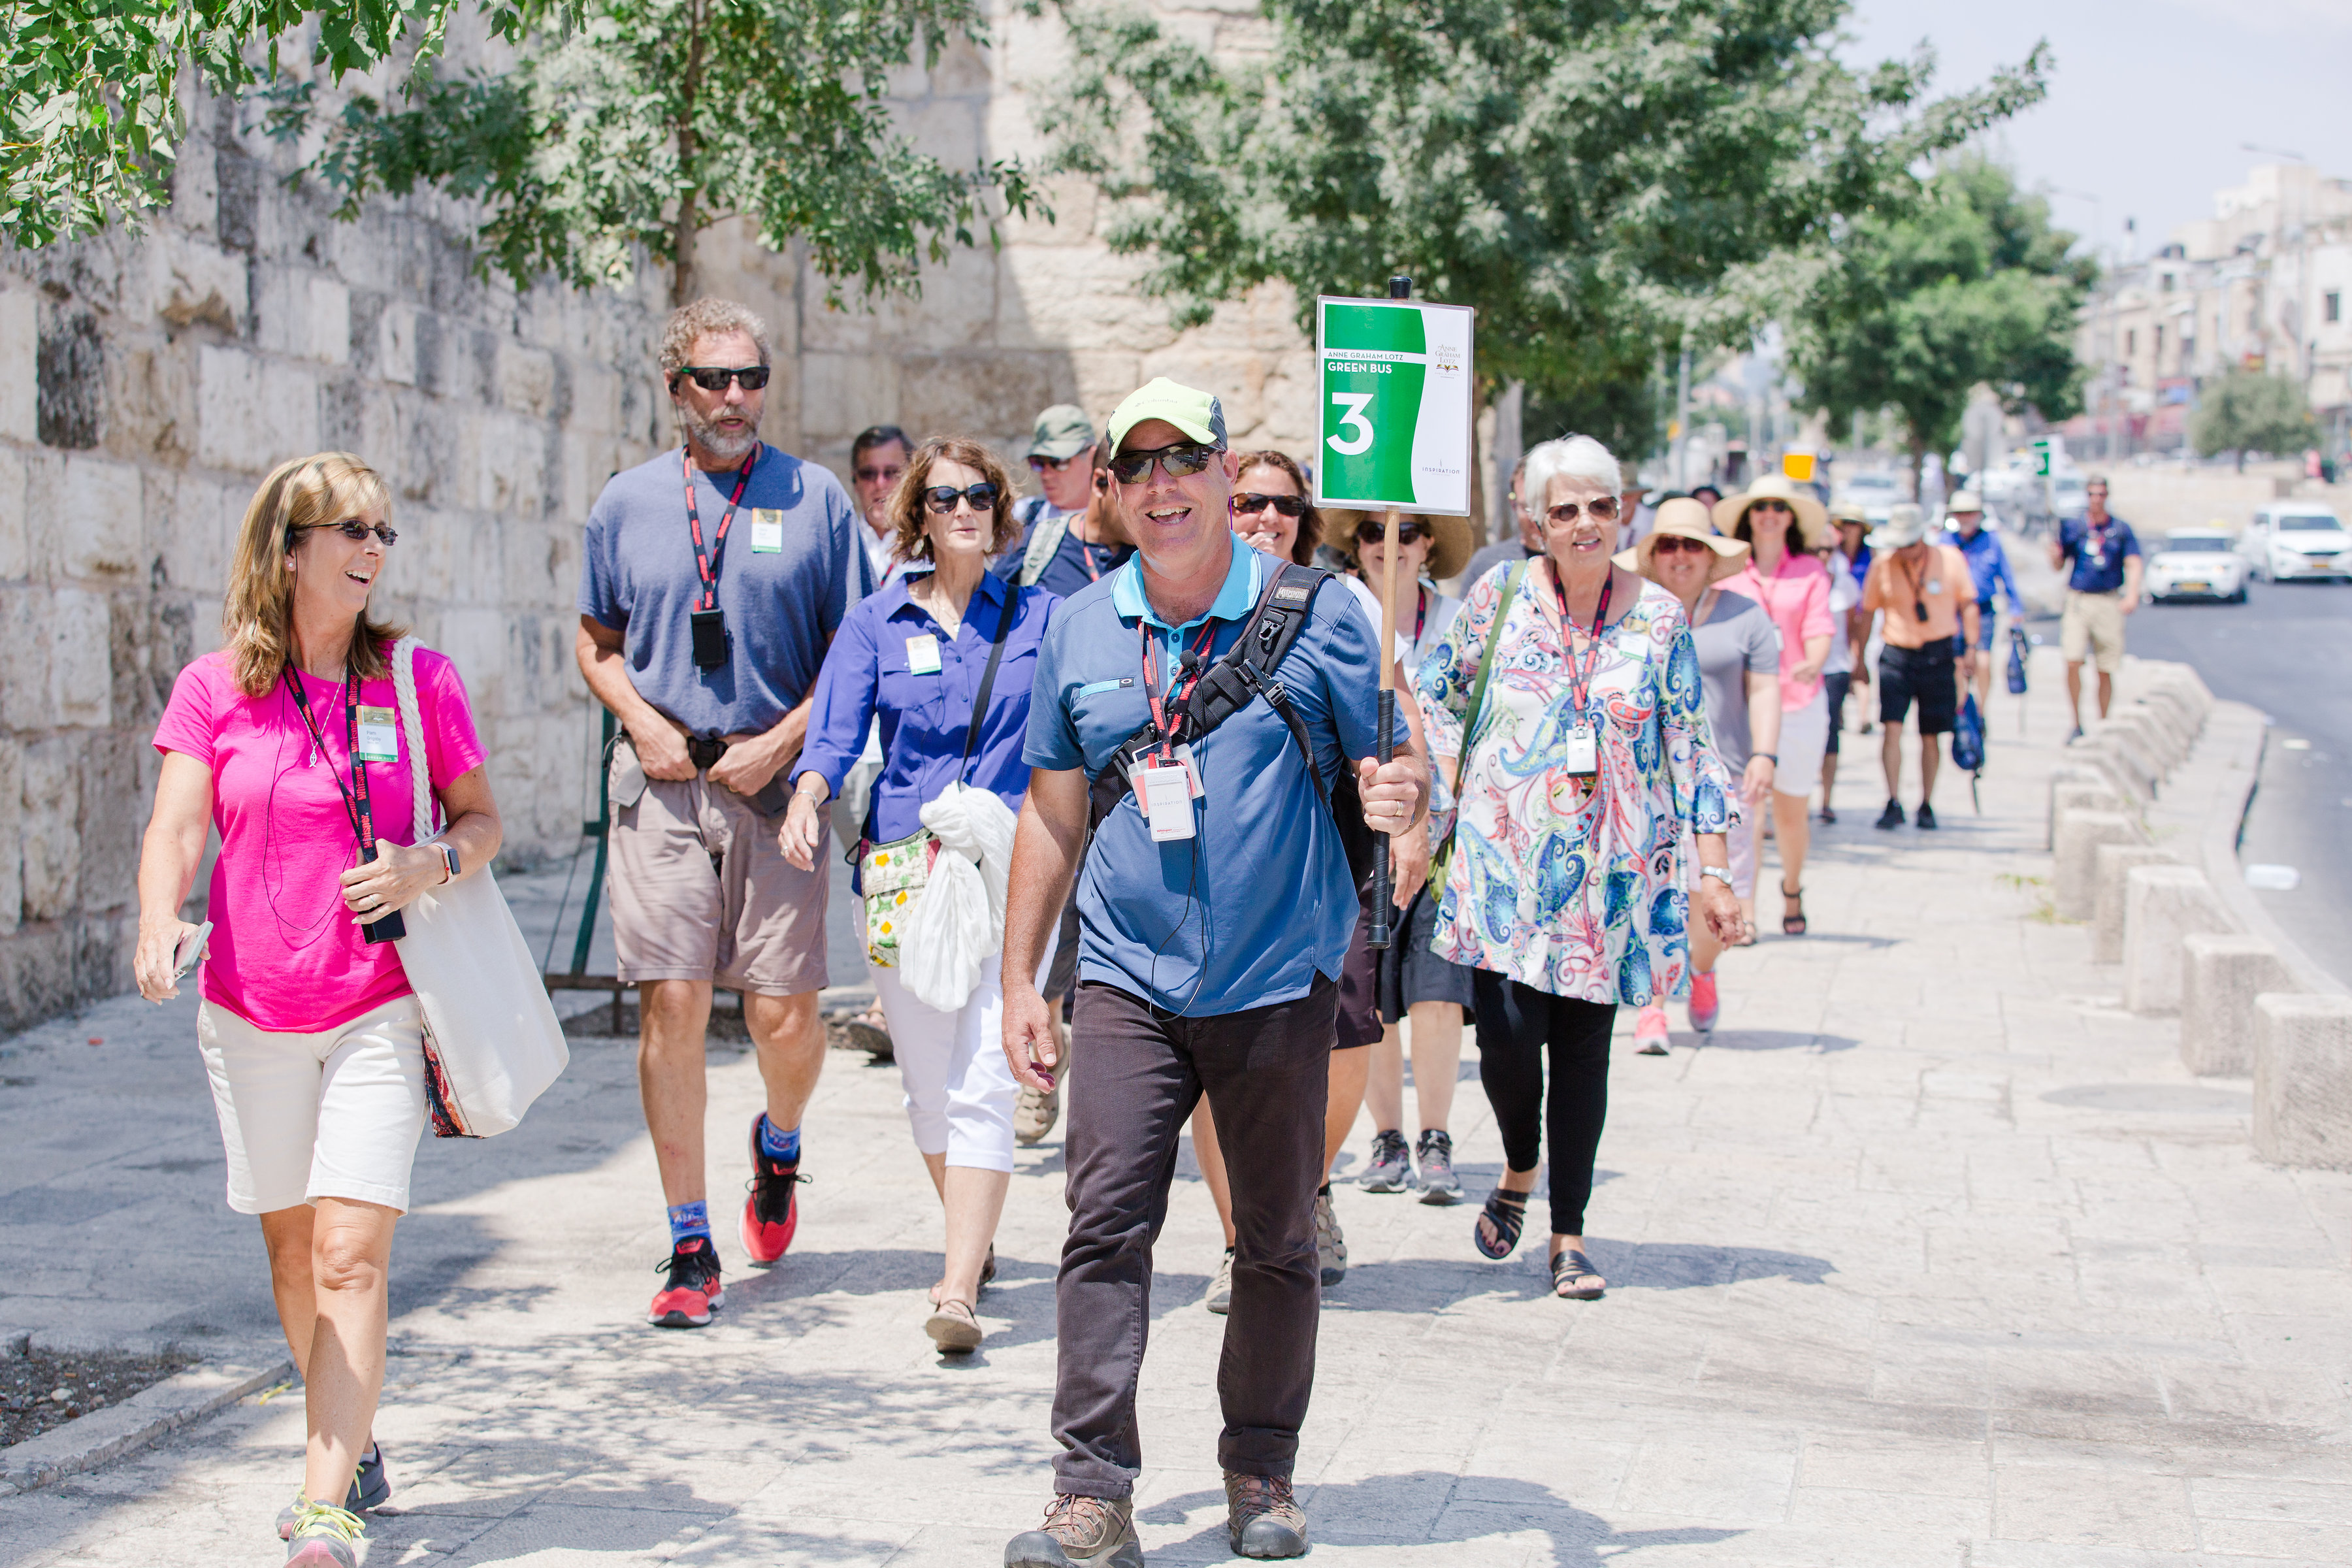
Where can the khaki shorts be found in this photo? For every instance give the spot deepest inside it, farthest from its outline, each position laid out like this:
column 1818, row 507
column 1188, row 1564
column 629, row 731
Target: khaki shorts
column 700, row 890
column 2093, row 626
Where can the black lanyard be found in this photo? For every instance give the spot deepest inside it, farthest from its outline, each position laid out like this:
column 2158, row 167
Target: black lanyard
column 1580, row 680
column 1420, row 613
column 1175, row 705
column 706, row 564
column 355, row 798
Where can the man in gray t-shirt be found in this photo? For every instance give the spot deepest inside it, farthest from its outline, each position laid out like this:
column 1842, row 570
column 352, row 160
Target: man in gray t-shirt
column 711, row 583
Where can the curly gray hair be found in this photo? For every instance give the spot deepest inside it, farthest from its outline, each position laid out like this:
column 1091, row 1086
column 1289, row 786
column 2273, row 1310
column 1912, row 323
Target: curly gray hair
column 704, row 316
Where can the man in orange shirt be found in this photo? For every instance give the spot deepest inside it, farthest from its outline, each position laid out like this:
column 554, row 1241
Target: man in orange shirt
column 1929, row 599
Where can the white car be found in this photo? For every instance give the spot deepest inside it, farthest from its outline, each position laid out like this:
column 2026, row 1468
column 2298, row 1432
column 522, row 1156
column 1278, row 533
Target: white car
column 1873, row 493
column 2295, row 540
column 2195, row 564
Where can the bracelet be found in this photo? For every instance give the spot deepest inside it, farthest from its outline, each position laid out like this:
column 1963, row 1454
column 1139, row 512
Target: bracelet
column 1720, row 873
column 1771, row 757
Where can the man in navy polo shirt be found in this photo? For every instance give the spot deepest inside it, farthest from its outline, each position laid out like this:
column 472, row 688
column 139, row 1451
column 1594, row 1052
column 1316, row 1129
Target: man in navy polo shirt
column 1208, row 963
column 2103, row 588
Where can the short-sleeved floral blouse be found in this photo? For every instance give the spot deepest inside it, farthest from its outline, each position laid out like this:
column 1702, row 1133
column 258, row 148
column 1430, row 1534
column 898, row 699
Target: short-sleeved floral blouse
column 1574, row 892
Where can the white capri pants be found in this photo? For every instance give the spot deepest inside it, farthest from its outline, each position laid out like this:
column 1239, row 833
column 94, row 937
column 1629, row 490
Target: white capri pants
column 960, row 1090
column 332, row 1114
column 1804, row 741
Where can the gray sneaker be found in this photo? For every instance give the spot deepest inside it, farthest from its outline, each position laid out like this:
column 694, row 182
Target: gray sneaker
column 1262, row 1517
column 1220, row 1299
column 1330, row 1245
column 324, row 1537
column 1079, row 1532
column 1391, row 1168
column 1436, row 1156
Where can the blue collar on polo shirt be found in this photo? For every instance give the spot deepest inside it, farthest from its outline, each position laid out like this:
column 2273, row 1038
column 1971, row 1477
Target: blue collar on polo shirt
column 1234, row 602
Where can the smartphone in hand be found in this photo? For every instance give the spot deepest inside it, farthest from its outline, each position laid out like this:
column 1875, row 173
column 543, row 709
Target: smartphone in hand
column 191, row 951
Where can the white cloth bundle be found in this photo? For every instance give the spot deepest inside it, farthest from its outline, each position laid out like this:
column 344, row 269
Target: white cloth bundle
column 959, row 920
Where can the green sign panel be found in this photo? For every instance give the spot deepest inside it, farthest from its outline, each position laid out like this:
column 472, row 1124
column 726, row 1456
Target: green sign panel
column 1396, row 400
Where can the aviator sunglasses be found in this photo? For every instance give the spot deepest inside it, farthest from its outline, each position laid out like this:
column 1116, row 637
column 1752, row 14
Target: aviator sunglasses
column 714, row 377
column 941, row 498
column 1603, row 510
column 1675, row 545
column 1180, row 461
column 355, row 531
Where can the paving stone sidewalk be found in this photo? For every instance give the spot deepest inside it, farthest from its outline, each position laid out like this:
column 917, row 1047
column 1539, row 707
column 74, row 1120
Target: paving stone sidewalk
column 1931, row 1256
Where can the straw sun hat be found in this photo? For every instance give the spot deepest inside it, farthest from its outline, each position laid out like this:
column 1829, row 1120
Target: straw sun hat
column 1812, row 521
column 1685, row 519
column 1450, row 544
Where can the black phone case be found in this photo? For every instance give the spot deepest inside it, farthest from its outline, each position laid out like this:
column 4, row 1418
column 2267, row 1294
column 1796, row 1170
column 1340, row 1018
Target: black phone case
column 391, row 928
column 709, row 639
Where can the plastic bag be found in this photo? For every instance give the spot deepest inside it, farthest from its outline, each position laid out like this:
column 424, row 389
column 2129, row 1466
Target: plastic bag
column 2017, row 661
column 959, row 920
column 1968, row 737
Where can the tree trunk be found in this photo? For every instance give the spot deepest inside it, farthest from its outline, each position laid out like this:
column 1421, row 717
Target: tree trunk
column 1918, row 464
column 689, row 217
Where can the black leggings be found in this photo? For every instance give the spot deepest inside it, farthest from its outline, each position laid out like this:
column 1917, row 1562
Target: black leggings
column 1515, row 1023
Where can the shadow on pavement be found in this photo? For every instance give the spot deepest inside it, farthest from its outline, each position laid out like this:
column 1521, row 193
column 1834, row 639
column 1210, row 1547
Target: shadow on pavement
column 1777, row 1040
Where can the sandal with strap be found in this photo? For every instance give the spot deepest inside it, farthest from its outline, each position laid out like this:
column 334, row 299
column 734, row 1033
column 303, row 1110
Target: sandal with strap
column 987, row 1274
column 1793, row 925
column 1567, row 1267
column 954, row 1329
column 1507, row 1213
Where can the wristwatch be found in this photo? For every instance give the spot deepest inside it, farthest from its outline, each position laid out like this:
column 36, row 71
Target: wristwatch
column 1720, row 873
column 448, row 858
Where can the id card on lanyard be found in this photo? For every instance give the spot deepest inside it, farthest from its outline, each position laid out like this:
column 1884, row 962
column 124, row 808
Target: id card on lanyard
column 356, row 804
column 1580, row 751
column 709, row 622
column 1168, row 779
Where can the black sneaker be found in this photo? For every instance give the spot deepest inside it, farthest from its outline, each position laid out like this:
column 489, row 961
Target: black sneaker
column 689, row 1291
column 1892, row 817
column 1391, row 1167
column 771, row 1213
column 1926, row 818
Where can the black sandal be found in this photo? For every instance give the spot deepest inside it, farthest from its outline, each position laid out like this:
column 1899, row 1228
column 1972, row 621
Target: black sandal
column 1568, row 1266
column 1507, row 1213
column 1793, row 925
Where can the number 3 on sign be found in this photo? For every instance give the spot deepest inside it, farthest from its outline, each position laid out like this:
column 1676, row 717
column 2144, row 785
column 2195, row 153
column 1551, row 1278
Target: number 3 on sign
column 1354, row 402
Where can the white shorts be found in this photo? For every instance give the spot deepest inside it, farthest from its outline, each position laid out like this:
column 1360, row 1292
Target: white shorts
column 961, row 1091
column 1804, row 741
column 334, row 1114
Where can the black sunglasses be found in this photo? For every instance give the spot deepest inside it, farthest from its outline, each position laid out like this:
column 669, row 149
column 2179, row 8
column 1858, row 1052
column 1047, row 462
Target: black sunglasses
column 1180, row 461
column 1038, row 465
column 356, row 530
column 1288, row 506
column 1371, row 531
column 942, row 499
column 714, row 377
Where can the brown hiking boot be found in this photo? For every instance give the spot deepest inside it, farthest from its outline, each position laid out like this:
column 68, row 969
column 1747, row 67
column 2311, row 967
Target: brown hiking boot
column 1080, row 1533
column 1262, row 1517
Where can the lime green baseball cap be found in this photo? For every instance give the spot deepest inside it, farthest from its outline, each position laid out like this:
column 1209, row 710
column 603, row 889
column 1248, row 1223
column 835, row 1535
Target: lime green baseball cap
column 1193, row 411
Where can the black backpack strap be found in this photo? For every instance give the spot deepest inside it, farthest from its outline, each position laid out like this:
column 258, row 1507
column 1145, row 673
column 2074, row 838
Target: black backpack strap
column 1012, row 592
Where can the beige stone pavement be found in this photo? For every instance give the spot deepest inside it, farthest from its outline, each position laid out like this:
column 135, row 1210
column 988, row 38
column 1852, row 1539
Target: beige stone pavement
column 1931, row 1256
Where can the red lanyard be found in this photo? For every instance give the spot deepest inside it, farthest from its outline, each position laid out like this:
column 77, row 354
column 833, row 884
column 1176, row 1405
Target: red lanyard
column 1419, row 613
column 1177, row 695
column 708, row 563
column 355, row 799
column 1580, row 680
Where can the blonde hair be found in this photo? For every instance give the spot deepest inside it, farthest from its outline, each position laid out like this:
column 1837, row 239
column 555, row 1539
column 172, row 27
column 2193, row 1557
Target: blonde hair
column 910, row 540
column 257, row 616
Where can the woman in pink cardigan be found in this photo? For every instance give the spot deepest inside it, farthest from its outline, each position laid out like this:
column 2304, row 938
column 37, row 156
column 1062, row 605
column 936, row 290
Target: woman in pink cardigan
column 1782, row 522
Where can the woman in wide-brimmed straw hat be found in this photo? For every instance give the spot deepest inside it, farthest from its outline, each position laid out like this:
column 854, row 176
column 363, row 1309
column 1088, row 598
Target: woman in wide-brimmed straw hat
column 1782, row 521
column 1739, row 668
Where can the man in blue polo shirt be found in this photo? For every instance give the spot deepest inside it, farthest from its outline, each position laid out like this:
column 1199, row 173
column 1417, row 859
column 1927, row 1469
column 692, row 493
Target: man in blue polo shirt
column 2102, row 589
column 1213, row 935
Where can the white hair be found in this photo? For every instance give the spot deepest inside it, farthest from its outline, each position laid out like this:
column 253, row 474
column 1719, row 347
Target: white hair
column 1571, row 456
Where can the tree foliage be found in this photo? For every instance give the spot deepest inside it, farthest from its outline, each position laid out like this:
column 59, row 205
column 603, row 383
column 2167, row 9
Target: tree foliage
column 1972, row 286
column 650, row 119
column 90, row 116
column 2249, row 411
column 1597, row 178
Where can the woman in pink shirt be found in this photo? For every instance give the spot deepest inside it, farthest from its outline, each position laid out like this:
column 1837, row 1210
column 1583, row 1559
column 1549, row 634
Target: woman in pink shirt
column 1784, row 577
column 288, row 740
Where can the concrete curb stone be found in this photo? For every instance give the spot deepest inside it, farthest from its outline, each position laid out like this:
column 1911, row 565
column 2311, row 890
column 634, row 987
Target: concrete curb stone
column 88, row 1441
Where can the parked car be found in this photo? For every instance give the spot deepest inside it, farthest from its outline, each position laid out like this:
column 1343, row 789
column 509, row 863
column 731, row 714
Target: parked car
column 2196, row 563
column 1873, row 493
column 2295, row 540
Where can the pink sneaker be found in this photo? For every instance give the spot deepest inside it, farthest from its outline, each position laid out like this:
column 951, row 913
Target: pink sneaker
column 1705, row 1005
column 1650, row 1031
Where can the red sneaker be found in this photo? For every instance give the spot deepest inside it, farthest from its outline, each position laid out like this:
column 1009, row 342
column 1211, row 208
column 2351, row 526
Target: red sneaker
column 692, row 1293
column 1706, row 1006
column 771, row 1214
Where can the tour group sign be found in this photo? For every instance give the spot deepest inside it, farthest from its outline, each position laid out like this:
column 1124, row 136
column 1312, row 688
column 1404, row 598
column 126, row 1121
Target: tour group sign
column 1397, row 414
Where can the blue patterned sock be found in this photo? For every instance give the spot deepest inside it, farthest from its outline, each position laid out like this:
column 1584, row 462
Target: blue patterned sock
column 687, row 1221
column 782, row 1147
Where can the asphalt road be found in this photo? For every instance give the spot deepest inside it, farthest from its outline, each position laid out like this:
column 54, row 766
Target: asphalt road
column 2286, row 651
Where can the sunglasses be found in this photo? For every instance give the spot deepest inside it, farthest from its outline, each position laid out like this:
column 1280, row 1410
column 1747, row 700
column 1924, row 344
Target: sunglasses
column 1606, row 509
column 879, row 475
column 356, row 530
column 1180, row 461
column 942, row 499
column 1038, row 465
column 1679, row 544
column 1371, row 532
column 714, row 377
column 1288, row 506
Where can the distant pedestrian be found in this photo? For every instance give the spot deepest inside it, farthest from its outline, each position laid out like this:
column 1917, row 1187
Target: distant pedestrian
column 713, row 578
column 1784, row 520
column 1216, row 918
column 1739, row 650
column 2102, row 590
column 1566, row 886
column 941, row 660
column 1929, row 597
column 877, row 457
column 1848, row 631
column 1524, row 543
column 288, row 742
column 1988, row 568
column 1706, row 495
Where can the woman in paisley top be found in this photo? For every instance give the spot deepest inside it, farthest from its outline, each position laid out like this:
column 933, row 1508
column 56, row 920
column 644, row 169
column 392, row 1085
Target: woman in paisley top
column 1591, row 761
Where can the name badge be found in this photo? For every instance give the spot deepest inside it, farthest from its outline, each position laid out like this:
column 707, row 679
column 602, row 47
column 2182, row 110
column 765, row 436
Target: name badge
column 923, row 653
column 767, row 532
column 1580, row 754
column 1167, row 801
column 378, row 741
column 1937, row 586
